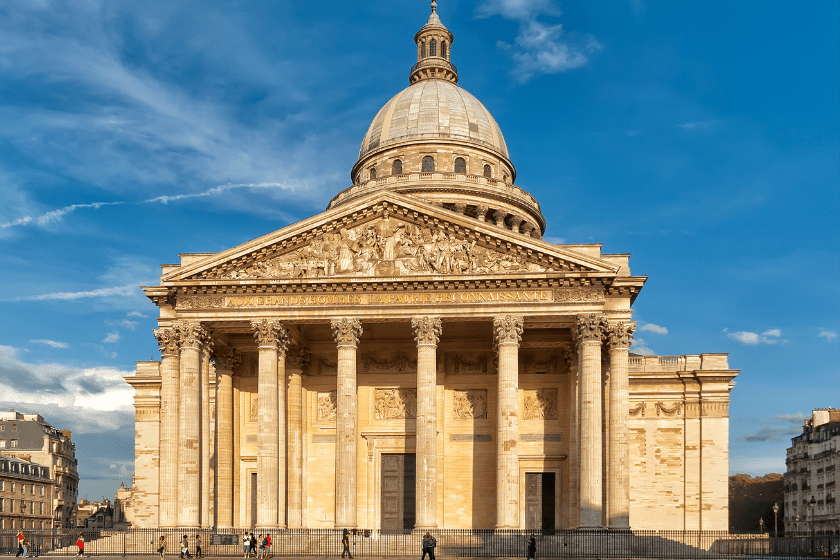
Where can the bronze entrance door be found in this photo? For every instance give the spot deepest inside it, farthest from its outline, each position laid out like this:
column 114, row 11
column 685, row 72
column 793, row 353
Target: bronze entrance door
column 539, row 501
column 397, row 503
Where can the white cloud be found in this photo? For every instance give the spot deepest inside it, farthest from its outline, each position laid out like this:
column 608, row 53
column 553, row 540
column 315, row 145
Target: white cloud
column 112, row 337
column 698, row 125
column 127, row 290
column 128, row 324
column 650, row 327
column 639, row 346
column 166, row 199
column 752, row 339
column 828, row 335
column 137, row 314
column 540, row 48
column 51, row 343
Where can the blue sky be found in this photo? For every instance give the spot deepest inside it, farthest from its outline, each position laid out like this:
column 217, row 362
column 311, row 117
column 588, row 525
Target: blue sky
column 700, row 137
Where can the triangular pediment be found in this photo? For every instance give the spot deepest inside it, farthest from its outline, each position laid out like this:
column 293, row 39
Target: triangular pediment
column 386, row 235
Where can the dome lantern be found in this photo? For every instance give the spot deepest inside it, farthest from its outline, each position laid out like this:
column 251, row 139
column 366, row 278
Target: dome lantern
column 434, row 45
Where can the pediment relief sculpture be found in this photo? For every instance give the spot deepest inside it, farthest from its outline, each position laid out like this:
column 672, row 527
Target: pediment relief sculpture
column 383, row 247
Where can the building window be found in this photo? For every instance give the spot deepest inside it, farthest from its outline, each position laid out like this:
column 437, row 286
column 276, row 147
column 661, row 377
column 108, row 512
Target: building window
column 428, row 165
column 2, row 484
column 23, row 488
column 396, row 167
column 13, row 443
column 13, row 486
column 443, row 49
column 12, row 505
column 433, row 48
column 40, row 508
column 488, row 172
column 54, row 446
column 373, row 173
column 460, row 165
column 42, row 490
column 32, row 509
column 2, row 504
column 422, row 50
column 32, row 489
column 2, row 443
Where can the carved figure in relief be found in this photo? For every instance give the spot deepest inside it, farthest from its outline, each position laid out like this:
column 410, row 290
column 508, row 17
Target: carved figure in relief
column 394, row 404
column 254, row 408
column 470, row 404
column 326, row 405
column 384, row 247
column 541, row 404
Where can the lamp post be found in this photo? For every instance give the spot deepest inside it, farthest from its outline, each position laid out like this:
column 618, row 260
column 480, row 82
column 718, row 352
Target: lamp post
column 761, row 525
column 813, row 503
column 775, row 526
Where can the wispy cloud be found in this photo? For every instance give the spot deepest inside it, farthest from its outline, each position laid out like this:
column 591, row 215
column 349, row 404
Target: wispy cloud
column 166, row 199
column 137, row 314
column 828, row 335
column 771, row 336
column 650, row 327
column 639, row 346
column 111, row 338
column 127, row 290
column 51, row 343
column 698, row 125
column 540, row 48
column 126, row 323
column 776, row 429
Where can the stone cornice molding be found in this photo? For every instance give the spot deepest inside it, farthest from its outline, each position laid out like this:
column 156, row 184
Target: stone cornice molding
column 169, row 341
column 346, row 331
column 427, row 330
column 620, row 334
column 193, row 334
column 271, row 334
column 588, row 328
column 508, row 329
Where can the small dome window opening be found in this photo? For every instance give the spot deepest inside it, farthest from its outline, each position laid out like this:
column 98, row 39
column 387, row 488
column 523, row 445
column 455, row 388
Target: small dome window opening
column 460, row 165
column 428, row 165
column 396, row 167
column 433, row 48
column 488, row 172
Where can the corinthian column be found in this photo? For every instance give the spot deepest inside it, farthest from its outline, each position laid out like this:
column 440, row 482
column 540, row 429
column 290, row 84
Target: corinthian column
column 272, row 340
column 508, row 333
column 204, row 382
column 170, row 370
column 294, row 368
column 427, row 333
column 226, row 359
column 189, row 427
column 587, row 335
column 573, row 517
column 346, row 332
column 618, row 485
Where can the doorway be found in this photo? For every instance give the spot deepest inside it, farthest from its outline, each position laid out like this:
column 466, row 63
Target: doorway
column 539, row 501
column 398, row 491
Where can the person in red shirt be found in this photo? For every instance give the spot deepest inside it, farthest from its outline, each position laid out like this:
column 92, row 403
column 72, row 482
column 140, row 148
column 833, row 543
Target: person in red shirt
column 267, row 543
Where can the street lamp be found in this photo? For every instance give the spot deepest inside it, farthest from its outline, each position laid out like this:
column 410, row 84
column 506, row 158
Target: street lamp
column 761, row 524
column 776, row 519
column 813, row 503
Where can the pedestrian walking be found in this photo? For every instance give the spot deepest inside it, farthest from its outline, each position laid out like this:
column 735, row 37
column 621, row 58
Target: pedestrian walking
column 198, row 553
column 185, row 547
column 26, row 546
column 267, row 546
column 162, row 545
column 345, row 542
column 429, row 544
column 246, row 545
column 20, row 538
column 532, row 548
column 253, row 550
column 80, row 542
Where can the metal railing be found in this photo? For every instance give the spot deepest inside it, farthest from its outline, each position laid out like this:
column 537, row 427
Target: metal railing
column 451, row 543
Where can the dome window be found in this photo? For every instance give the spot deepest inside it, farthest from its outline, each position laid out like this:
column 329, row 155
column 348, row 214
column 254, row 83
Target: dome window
column 433, row 48
column 443, row 49
column 428, row 165
column 396, row 167
column 460, row 165
column 423, row 50
column 373, row 173
column 488, row 172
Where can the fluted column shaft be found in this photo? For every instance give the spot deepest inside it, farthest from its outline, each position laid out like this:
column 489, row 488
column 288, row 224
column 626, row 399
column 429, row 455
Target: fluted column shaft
column 573, row 517
column 346, row 332
column 618, row 486
column 170, row 372
column 294, row 369
column 272, row 340
column 280, row 408
column 427, row 333
column 507, row 331
column 189, row 427
column 204, row 382
column 587, row 333
column 225, row 362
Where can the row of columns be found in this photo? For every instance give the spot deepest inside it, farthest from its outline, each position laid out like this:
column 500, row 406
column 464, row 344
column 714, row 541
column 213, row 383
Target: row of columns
column 185, row 469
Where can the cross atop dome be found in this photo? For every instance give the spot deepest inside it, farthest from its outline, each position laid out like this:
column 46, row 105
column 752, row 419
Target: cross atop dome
column 434, row 42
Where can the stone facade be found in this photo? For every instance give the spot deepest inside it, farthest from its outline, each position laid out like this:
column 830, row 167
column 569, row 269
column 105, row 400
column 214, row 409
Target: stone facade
column 813, row 461
column 31, row 438
column 26, row 495
column 417, row 352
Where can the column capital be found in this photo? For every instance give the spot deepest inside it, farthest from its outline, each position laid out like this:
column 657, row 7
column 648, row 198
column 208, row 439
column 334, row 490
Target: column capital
column 193, row 334
column 298, row 361
column 588, row 328
column 169, row 340
column 569, row 354
column 346, row 331
column 508, row 329
column 271, row 334
column 620, row 334
column 226, row 358
column 427, row 330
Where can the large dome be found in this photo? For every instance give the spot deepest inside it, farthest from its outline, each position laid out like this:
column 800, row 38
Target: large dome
column 432, row 109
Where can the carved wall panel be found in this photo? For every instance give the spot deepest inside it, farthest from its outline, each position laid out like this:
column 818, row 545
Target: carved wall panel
column 253, row 407
column 146, row 414
column 541, row 404
column 534, row 364
column 326, row 405
column 395, row 404
column 326, row 367
column 578, row 294
column 470, row 404
column 675, row 409
column 384, row 247
column 462, row 365
column 399, row 363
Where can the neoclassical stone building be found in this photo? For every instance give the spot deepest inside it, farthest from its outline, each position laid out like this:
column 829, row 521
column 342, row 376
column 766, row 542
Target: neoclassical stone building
column 416, row 356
